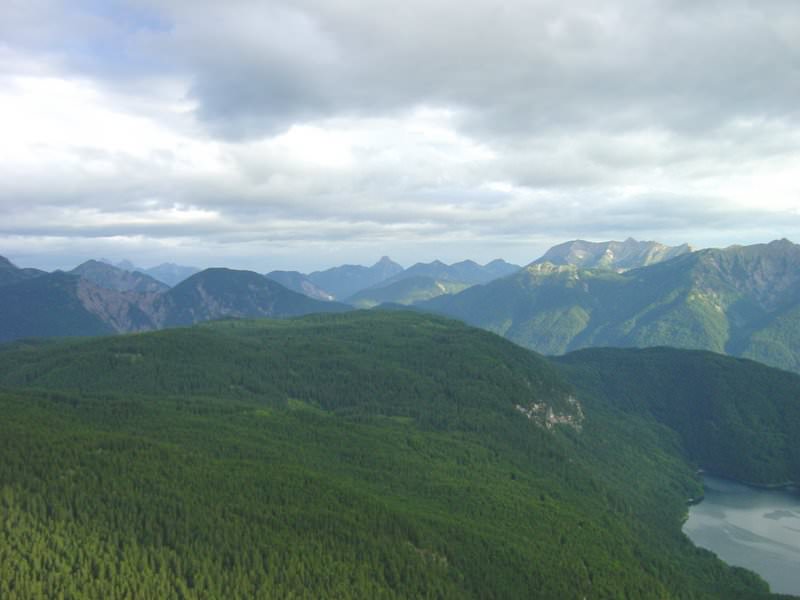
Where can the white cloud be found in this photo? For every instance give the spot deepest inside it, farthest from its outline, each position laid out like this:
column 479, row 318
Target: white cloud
column 316, row 132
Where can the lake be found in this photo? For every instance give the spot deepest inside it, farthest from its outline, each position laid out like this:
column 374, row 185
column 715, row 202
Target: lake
column 749, row 527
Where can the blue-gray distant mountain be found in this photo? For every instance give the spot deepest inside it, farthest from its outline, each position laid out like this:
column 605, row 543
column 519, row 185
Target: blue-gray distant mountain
column 467, row 272
column 405, row 291
column 618, row 256
column 424, row 281
column 223, row 293
column 298, row 282
column 167, row 273
column 65, row 304
column 10, row 273
column 742, row 300
column 114, row 278
column 346, row 280
column 68, row 304
column 170, row 273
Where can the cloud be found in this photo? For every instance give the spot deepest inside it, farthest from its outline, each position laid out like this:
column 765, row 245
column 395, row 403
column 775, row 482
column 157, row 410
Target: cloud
column 315, row 131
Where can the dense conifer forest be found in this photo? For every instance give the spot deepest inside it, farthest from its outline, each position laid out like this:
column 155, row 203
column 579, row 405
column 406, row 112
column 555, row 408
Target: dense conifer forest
column 364, row 455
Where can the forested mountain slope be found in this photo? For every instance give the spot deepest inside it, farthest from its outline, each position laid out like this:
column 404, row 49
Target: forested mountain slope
column 742, row 300
column 737, row 418
column 366, row 454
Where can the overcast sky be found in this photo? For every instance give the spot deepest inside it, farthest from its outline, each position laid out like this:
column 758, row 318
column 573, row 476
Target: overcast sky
column 308, row 133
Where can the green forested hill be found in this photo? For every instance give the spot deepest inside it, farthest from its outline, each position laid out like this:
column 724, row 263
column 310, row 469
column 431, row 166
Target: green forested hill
column 737, row 418
column 742, row 300
column 366, row 455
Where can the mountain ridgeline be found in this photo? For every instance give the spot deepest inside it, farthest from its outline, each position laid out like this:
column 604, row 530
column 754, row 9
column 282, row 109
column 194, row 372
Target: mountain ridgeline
column 741, row 300
column 423, row 281
column 386, row 281
column 121, row 280
column 169, row 274
column 97, row 299
column 367, row 454
column 10, row 273
column 344, row 281
column 617, row 256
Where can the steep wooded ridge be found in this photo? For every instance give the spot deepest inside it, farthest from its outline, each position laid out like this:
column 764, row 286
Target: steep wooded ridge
column 741, row 300
column 737, row 418
column 366, row 454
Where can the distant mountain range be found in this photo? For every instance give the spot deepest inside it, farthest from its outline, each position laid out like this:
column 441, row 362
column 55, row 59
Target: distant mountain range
column 97, row 298
column 386, row 281
column 742, row 300
column 298, row 282
column 423, row 281
column 168, row 273
column 344, row 281
column 115, row 278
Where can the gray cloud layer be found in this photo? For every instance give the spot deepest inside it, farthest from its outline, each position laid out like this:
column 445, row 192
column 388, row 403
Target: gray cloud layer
column 278, row 131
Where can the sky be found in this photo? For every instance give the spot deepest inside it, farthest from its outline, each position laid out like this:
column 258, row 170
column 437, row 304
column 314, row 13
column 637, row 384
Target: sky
column 305, row 134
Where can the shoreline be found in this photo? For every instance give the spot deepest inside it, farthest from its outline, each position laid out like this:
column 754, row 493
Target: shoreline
column 793, row 486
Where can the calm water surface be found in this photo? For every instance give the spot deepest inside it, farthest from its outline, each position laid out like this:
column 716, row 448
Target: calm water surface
column 752, row 528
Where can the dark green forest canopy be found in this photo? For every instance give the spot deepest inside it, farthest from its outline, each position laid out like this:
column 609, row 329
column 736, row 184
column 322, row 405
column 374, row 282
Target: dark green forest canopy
column 736, row 417
column 366, row 455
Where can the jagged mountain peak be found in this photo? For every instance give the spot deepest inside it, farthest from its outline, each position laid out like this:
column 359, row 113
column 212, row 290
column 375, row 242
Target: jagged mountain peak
column 115, row 278
column 618, row 256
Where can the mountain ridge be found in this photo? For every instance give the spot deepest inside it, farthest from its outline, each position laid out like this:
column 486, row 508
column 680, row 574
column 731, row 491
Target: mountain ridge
column 619, row 256
column 744, row 300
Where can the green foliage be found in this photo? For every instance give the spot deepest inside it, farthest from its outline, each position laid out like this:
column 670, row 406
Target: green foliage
column 366, row 455
column 736, row 418
column 741, row 300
